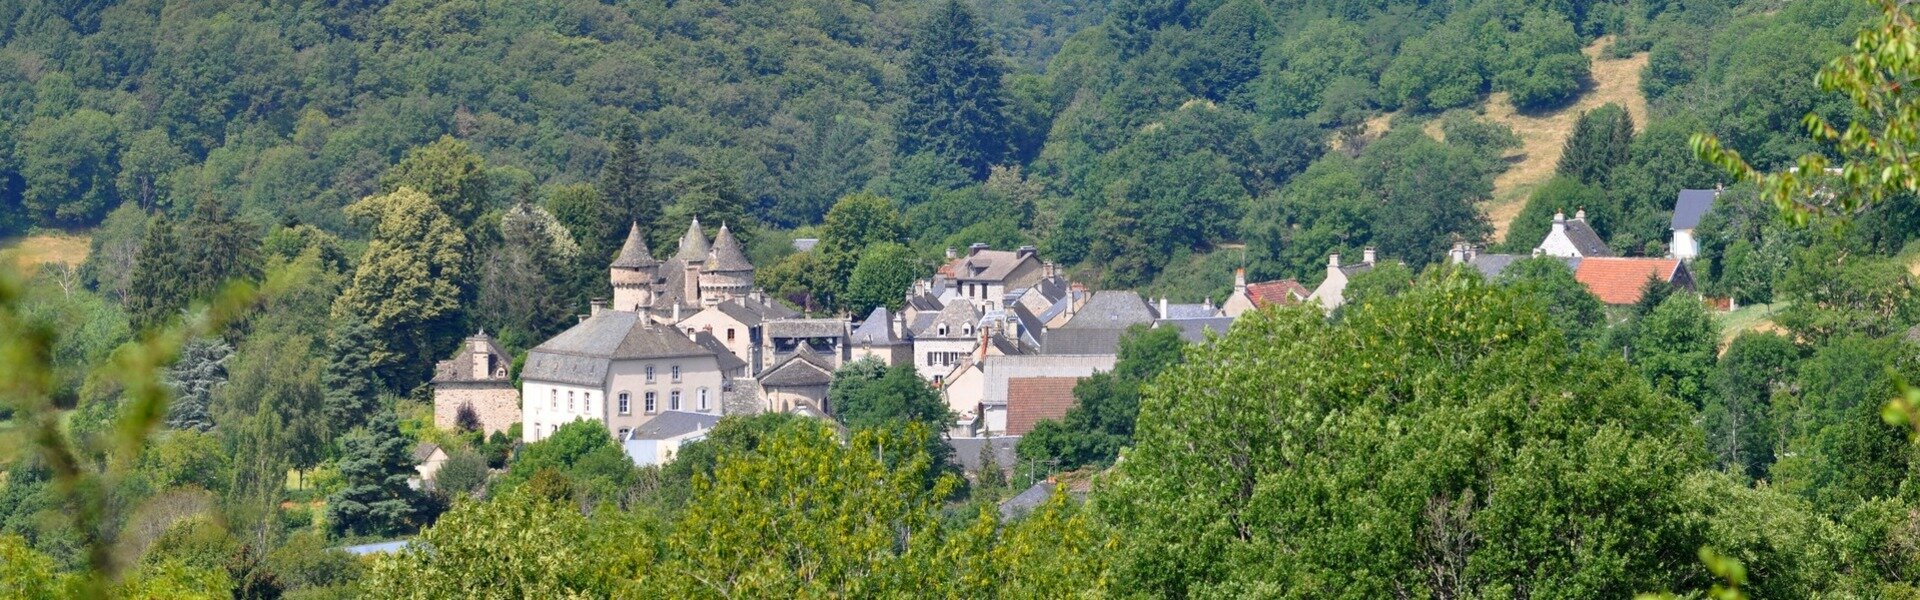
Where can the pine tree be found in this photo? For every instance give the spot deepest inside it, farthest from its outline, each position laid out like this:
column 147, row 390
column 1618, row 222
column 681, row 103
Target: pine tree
column 202, row 368
column 376, row 461
column 156, row 292
column 352, row 388
column 1600, row 141
column 628, row 180
column 955, row 103
column 217, row 250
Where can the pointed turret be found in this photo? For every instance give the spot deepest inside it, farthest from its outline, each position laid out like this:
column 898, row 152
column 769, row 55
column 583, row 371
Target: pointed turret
column 693, row 244
column 726, row 273
column 634, row 254
column 726, row 254
column 633, row 273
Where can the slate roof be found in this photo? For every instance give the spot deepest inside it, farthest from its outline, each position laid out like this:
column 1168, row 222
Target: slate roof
column 672, row 424
column 726, row 256
column 1027, row 500
column 1692, row 205
column 806, row 328
column 957, row 316
column 1585, row 239
column 966, row 451
column 728, row 362
column 693, row 245
column 1492, row 265
column 1081, row 342
column 1190, row 311
column 1030, row 324
column 1112, row 309
column 634, row 254
column 802, row 368
column 1033, row 399
column 582, row 353
column 924, row 302
column 1195, row 330
column 1052, row 288
column 1279, row 292
column 1619, row 280
column 423, row 451
column 876, row 330
column 460, row 367
column 986, row 265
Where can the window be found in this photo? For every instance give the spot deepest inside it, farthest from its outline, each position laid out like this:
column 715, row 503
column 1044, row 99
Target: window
column 703, row 399
column 729, row 334
column 626, row 407
column 676, row 373
column 673, row 400
column 623, row 433
column 651, row 407
column 649, row 373
column 942, row 330
column 553, row 399
column 569, row 400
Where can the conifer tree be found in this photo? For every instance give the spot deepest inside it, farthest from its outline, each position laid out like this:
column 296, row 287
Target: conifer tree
column 156, row 293
column 955, row 102
column 217, row 249
column 352, row 387
column 1599, row 143
column 202, row 368
column 628, row 180
column 375, row 462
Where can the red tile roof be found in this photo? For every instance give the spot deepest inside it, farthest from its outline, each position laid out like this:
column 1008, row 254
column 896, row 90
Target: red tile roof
column 1032, row 399
column 1619, row 280
column 1279, row 292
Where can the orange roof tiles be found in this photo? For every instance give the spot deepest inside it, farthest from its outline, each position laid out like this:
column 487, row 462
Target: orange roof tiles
column 1619, row 280
column 1280, row 292
column 1032, row 399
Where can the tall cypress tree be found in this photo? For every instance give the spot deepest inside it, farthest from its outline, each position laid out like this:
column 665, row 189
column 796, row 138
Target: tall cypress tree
column 955, row 104
column 157, row 289
column 628, row 180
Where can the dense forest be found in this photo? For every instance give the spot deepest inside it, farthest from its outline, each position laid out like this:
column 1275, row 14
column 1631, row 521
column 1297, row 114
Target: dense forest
column 295, row 207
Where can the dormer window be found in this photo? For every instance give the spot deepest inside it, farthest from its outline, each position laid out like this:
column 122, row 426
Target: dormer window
column 942, row 330
column 966, row 330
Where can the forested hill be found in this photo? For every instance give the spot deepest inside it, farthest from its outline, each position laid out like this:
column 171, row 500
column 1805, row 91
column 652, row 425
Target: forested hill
column 1138, row 136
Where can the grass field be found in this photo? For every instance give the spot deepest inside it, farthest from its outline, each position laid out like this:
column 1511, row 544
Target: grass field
column 1542, row 135
column 1758, row 317
column 34, row 250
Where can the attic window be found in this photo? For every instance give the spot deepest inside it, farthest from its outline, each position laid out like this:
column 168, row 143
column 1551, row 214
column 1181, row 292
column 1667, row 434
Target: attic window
column 966, row 330
column 942, row 330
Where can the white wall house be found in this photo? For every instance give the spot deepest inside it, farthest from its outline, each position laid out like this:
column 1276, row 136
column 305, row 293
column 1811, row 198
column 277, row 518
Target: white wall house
column 1573, row 238
column 1691, row 206
column 660, row 440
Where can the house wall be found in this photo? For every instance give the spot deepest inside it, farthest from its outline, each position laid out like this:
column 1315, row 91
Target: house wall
column 742, row 343
column 888, row 355
column 1332, row 292
column 997, row 371
column 965, row 391
column 497, row 404
column 1684, row 246
column 544, row 407
column 1236, row 304
column 431, row 468
column 696, row 373
column 933, row 347
column 1558, row 244
column 784, row 398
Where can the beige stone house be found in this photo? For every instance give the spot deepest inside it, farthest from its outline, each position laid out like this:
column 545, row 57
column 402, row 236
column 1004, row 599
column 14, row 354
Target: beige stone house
column 476, row 380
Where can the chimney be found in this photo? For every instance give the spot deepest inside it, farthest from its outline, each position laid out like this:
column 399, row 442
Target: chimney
column 1539, row 251
column 1333, row 260
column 595, row 305
column 1240, row 280
column 676, row 312
column 1458, row 254
column 950, row 253
column 975, row 248
column 1580, row 214
column 1366, row 255
column 1026, row 251
column 1207, row 303
column 482, row 362
column 690, row 288
column 1473, row 251
column 1046, row 270
column 646, row 316
column 1163, row 307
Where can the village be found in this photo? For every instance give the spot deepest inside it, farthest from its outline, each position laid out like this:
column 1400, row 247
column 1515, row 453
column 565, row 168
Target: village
column 1003, row 336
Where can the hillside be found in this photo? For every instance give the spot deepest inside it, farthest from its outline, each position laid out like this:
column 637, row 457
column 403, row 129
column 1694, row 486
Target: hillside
column 1543, row 135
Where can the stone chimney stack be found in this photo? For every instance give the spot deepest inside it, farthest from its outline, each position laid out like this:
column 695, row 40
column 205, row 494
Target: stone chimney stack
column 1580, row 214
column 1333, row 260
column 690, row 285
column 1163, row 307
column 1026, row 251
column 482, row 362
column 1046, row 270
column 1240, row 280
column 1458, row 254
column 1366, row 255
column 676, row 312
column 596, row 305
column 950, row 253
column 1559, row 223
column 975, row 248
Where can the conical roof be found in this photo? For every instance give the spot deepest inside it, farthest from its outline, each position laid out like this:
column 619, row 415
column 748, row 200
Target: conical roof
column 726, row 254
column 634, row 254
column 693, row 244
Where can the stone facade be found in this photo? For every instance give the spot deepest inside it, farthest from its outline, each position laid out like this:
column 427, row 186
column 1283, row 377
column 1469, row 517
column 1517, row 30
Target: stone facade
column 496, row 403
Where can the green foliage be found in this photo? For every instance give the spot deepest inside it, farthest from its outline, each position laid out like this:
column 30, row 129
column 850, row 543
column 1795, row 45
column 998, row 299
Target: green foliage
column 1838, row 452
column 406, row 288
column 201, row 369
column 1486, row 449
column 376, row 462
column 855, row 224
column 1835, row 292
column 68, row 164
column 1742, row 428
column 1601, row 141
column 1568, row 302
column 464, row 473
column 352, row 386
column 882, row 278
column 582, row 456
column 955, row 105
column 448, row 172
column 1385, row 280
column 628, row 180
column 1675, row 346
column 518, row 545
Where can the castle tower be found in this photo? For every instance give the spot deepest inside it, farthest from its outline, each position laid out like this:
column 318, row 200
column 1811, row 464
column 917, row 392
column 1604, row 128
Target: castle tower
column 634, row 273
column 693, row 251
column 726, row 273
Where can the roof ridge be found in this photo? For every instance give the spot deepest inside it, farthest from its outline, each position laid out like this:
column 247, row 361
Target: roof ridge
column 726, row 254
column 634, row 253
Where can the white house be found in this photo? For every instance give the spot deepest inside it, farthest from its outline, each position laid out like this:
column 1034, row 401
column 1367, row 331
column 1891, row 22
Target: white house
column 660, row 439
column 1687, row 211
column 619, row 368
column 1573, row 238
column 1332, row 291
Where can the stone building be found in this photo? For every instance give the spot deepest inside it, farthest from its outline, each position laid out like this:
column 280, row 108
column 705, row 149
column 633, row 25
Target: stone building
column 620, row 368
column 475, row 379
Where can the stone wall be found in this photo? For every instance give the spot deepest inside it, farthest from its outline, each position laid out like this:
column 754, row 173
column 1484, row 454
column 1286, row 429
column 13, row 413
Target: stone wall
column 496, row 403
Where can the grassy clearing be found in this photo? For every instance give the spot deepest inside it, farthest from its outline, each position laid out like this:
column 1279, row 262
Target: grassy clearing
column 1543, row 135
column 1758, row 317
column 42, row 248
